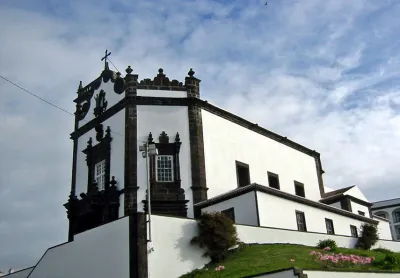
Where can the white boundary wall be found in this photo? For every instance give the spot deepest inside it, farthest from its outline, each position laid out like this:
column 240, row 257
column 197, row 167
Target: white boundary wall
column 100, row 252
column 174, row 256
column 332, row 274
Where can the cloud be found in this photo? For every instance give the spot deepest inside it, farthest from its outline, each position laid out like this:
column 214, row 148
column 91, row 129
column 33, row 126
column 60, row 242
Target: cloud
column 324, row 73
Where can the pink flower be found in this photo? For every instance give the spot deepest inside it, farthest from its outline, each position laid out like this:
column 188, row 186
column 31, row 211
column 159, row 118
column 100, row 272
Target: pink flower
column 327, row 248
column 218, row 268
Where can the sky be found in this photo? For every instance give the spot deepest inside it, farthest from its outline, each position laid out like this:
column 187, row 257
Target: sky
column 324, row 73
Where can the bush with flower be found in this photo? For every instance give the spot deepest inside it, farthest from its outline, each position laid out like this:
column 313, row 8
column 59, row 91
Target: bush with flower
column 340, row 260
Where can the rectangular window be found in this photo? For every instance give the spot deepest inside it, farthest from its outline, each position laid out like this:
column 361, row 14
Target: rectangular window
column 329, row 226
column 398, row 233
column 164, row 168
column 242, row 173
column 299, row 189
column 100, row 174
column 273, row 180
column 230, row 213
column 361, row 213
column 381, row 215
column 396, row 216
column 301, row 221
column 353, row 231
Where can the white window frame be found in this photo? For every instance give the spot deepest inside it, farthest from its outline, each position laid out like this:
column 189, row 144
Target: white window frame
column 100, row 174
column 171, row 157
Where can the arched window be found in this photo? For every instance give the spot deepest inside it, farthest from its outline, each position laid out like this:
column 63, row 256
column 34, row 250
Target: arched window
column 382, row 214
column 396, row 216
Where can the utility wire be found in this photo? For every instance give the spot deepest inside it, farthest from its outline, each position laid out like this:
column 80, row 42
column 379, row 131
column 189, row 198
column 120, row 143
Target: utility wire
column 48, row 102
column 113, row 65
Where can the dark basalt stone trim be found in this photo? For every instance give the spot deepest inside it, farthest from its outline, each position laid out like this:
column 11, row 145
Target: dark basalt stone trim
column 257, row 211
column 338, row 198
column 318, row 166
column 138, row 245
column 162, row 101
column 242, row 190
column 98, row 120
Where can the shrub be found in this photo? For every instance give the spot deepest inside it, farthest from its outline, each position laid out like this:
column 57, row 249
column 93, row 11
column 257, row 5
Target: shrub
column 383, row 250
column 330, row 243
column 369, row 236
column 216, row 234
column 390, row 262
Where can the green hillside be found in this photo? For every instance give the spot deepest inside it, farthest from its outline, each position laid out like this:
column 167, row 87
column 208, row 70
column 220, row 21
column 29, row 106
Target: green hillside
column 254, row 259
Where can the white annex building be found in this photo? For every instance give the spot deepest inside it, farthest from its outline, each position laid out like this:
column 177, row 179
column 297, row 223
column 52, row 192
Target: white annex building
column 200, row 158
column 390, row 210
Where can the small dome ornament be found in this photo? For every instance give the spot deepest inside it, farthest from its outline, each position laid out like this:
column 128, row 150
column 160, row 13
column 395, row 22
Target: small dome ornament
column 129, row 70
column 191, row 72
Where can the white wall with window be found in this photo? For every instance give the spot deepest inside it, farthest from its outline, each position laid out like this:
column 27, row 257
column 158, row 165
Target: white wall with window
column 282, row 213
column 226, row 142
column 244, row 208
column 359, row 209
column 172, row 120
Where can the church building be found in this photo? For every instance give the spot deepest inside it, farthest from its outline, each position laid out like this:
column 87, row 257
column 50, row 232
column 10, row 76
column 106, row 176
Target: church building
column 132, row 134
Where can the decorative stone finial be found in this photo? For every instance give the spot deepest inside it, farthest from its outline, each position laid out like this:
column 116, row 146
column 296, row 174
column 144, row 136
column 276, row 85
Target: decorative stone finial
column 113, row 182
column 150, row 138
column 177, row 138
column 108, row 131
column 160, row 71
column 191, row 72
column 80, row 87
column 89, row 143
column 129, row 70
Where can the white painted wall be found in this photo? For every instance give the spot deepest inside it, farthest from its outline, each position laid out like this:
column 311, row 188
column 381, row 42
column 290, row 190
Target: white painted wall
column 384, row 228
column 19, row 274
column 117, row 126
column 244, row 206
column 171, row 119
column 357, row 193
column 171, row 239
column 225, row 142
column 355, row 207
column 162, row 93
column 341, row 274
column 111, row 97
column 174, row 243
column 100, row 252
column 280, row 213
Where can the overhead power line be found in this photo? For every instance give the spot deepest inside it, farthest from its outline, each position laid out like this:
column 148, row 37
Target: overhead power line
column 48, row 102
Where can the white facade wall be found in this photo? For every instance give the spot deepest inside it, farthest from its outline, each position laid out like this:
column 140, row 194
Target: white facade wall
column 171, row 119
column 341, row 274
column 173, row 254
column 99, row 252
column 111, row 97
column 225, row 142
column 357, row 193
column 174, row 243
column 162, row 93
column 117, row 161
column 384, row 228
column 355, row 207
column 244, row 207
column 280, row 213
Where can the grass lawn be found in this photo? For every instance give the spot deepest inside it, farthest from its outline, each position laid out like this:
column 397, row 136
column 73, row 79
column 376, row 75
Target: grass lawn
column 254, row 259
